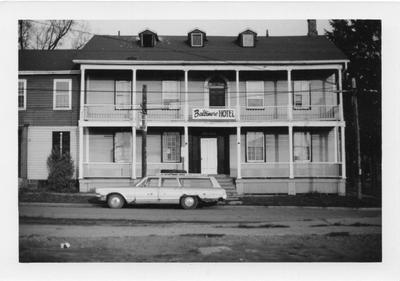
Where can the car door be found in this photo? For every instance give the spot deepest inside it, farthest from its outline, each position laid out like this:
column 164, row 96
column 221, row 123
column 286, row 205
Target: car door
column 170, row 190
column 147, row 191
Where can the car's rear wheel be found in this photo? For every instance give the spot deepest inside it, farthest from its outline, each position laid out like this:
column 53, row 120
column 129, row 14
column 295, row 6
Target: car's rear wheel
column 189, row 202
column 115, row 201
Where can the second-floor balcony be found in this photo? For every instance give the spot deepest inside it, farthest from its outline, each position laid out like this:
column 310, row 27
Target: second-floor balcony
column 104, row 112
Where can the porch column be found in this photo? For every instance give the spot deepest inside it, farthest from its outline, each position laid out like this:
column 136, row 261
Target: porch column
column 86, row 132
column 133, row 172
column 238, row 152
column 186, row 150
column 82, row 96
column 291, row 185
column 335, row 143
column 343, row 149
column 237, row 96
column 80, row 152
column 290, row 96
column 340, row 95
column 133, row 100
column 186, row 96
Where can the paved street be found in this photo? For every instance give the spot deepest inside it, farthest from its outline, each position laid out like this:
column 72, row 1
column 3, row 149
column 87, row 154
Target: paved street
column 229, row 233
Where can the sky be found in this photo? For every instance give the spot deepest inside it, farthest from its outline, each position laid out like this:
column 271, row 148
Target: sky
column 211, row 27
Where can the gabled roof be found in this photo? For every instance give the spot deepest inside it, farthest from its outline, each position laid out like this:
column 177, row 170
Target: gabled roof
column 47, row 60
column 148, row 31
column 248, row 31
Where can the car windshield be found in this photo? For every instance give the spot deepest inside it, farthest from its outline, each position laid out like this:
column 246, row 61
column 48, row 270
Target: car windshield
column 193, row 182
column 150, row 182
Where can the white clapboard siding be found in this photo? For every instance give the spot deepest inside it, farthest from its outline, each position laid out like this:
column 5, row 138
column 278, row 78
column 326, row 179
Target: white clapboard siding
column 39, row 148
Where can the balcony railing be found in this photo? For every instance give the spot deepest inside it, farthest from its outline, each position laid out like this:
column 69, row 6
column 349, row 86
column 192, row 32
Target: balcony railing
column 107, row 112
column 265, row 113
column 316, row 112
column 110, row 112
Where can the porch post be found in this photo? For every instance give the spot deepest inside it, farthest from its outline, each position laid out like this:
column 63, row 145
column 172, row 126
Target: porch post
column 290, row 96
column 340, row 94
column 133, row 100
column 82, row 96
column 238, row 152
column 291, row 185
column 335, row 143
column 133, row 166
column 80, row 152
column 237, row 96
column 186, row 96
column 86, row 132
column 186, row 150
column 342, row 142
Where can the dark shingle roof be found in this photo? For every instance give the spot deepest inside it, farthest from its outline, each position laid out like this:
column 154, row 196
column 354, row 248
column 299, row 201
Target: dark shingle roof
column 288, row 48
column 176, row 48
column 47, row 60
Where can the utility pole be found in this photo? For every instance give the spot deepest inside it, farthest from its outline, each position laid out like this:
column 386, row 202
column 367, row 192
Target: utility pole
column 357, row 131
column 144, row 131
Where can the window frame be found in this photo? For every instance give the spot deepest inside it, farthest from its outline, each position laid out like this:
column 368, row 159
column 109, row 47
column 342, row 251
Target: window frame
column 61, row 139
column 243, row 40
column 201, row 39
column 247, row 148
column 69, row 81
column 308, row 138
column 178, row 147
column 302, row 94
column 164, row 92
column 24, row 81
column 122, row 106
column 248, row 92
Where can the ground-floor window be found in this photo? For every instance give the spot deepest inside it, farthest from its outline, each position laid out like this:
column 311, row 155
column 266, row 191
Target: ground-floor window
column 61, row 142
column 302, row 146
column 255, row 146
column 171, row 147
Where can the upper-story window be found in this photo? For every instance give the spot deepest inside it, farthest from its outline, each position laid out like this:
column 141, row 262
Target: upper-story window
column 122, row 94
column 170, row 92
column 22, row 94
column 148, row 38
column 255, row 94
column 247, row 38
column 196, row 38
column 301, row 94
column 62, row 94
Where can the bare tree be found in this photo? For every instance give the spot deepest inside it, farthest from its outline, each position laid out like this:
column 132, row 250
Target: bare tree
column 52, row 34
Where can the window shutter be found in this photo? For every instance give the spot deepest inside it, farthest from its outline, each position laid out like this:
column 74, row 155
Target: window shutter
column 56, row 141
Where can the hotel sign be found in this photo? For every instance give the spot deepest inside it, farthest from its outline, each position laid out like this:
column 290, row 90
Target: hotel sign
column 213, row 114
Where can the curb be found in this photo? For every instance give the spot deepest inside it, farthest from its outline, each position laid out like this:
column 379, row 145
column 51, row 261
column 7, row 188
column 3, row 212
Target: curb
column 44, row 204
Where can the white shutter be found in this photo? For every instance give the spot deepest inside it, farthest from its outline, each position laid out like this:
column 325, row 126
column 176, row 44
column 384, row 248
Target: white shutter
column 122, row 147
column 123, row 94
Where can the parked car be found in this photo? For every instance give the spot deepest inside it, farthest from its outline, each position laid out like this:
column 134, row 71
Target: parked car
column 186, row 190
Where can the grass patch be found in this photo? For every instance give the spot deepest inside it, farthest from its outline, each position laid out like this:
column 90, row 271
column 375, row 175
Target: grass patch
column 203, row 235
column 357, row 224
column 336, row 234
column 262, row 226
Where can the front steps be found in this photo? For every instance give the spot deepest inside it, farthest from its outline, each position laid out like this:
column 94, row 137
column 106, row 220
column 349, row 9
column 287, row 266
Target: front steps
column 228, row 183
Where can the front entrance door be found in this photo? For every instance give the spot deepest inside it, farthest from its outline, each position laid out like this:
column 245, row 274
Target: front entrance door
column 209, row 158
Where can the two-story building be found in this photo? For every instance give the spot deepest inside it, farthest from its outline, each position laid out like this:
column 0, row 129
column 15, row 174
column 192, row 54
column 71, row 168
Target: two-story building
column 266, row 111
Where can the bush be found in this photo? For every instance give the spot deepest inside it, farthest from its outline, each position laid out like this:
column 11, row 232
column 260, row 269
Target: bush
column 61, row 170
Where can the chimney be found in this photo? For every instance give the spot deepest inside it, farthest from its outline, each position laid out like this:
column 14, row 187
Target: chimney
column 312, row 28
column 119, row 33
column 266, row 33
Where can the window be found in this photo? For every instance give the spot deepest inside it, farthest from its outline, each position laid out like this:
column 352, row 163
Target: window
column 197, row 39
column 171, row 146
column 22, row 94
column 148, row 40
column 61, row 142
column 187, row 182
column 255, row 146
column 169, row 182
column 123, row 94
column 151, row 182
column 302, row 146
column 170, row 92
column 301, row 95
column 62, row 94
column 247, row 40
column 255, row 94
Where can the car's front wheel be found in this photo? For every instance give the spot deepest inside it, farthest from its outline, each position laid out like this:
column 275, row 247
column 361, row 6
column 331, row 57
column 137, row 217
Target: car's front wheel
column 115, row 201
column 189, row 202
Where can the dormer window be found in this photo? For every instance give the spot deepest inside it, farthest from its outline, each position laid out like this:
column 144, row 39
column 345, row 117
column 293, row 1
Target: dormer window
column 247, row 38
column 196, row 38
column 148, row 38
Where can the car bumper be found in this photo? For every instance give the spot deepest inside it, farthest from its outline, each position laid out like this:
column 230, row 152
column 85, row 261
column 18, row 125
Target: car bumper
column 101, row 197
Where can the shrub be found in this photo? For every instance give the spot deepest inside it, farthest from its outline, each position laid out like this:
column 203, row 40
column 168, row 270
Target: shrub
column 61, row 170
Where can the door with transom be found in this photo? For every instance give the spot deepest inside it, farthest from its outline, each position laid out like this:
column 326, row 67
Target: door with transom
column 209, row 155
